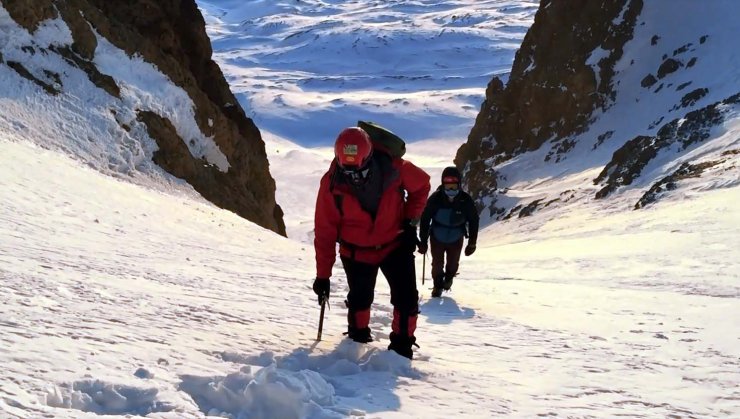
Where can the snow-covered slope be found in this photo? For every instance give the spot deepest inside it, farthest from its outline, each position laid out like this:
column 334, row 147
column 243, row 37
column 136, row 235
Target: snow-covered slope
column 87, row 122
column 84, row 79
column 121, row 300
column 667, row 126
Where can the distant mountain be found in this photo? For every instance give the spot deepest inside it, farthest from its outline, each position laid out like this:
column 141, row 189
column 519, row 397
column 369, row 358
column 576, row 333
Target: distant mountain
column 118, row 84
column 304, row 70
column 610, row 98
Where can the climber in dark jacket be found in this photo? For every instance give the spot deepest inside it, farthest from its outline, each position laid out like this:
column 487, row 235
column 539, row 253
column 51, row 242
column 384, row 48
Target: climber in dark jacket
column 452, row 215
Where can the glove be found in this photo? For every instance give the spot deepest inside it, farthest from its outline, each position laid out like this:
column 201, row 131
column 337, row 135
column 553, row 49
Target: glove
column 423, row 247
column 408, row 237
column 321, row 288
column 469, row 249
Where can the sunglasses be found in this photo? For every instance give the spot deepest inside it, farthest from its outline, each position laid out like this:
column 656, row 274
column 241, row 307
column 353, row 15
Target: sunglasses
column 451, row 186
column 356, row 174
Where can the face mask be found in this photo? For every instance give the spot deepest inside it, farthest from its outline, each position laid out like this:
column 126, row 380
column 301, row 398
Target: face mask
column 451, row 192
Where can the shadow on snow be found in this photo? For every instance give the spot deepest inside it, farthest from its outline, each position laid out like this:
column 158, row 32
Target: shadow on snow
column 444, row 310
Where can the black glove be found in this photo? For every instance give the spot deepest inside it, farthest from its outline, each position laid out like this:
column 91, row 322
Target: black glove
column 423, row 247
column 321, row 288
column 469, row 249
column 409, row 240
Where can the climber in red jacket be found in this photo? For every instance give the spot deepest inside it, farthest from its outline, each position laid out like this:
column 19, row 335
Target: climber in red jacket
column 370, row 203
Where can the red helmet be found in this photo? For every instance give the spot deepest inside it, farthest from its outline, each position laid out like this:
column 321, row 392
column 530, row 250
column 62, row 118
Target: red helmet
column 353, row 148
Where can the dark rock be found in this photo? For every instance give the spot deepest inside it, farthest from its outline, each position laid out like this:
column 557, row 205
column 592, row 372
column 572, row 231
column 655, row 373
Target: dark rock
column 669, row 66
column 560, row 150
column 603, row 137
column 85, row 41
column 29, row 13
column 512, row 212
column 656, row 122
column 682, row 49
column 103, row 81
column 660, row 336
column 530, row 208
column 648, row 81
column 683, row 86
column 669, row 183
column 703, row 39
column 654, row 40
column 552, row 91
column 170, row 34
column 691, row 62
column 691, row 98
column 629, row 160
column 23, row 72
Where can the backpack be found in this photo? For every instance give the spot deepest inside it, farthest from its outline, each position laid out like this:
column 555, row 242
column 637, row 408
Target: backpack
column 383, row 139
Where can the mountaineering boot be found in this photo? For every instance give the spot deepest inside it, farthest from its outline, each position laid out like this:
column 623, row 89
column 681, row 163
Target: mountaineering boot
column 402, row 345
column 438, row 285
column 358, row 325
column 359, row 335
column 404, row 326
column 448, row 281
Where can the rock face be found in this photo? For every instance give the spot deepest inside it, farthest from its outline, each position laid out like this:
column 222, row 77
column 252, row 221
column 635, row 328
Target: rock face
column 628, row 161
column 170, row 34
column 562, row 73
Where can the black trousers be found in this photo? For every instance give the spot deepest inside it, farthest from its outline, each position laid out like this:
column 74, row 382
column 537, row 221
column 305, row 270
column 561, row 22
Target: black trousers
column 439, row 268
column 400, row 272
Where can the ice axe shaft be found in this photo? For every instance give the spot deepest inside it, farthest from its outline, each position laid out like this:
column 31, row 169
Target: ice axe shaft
column 423, row 267
column 321, row 318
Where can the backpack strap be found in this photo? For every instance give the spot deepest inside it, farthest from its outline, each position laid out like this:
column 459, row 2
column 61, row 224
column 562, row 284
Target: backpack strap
column 333, row 181
column 338, row 199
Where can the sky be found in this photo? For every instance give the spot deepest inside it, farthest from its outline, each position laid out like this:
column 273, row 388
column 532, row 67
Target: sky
column 124, row 293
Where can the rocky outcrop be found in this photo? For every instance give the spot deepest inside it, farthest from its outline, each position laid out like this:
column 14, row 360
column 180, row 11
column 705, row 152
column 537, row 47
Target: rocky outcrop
column 628, row 161
column 562, row 73
column 670, row 182
column 171, row 35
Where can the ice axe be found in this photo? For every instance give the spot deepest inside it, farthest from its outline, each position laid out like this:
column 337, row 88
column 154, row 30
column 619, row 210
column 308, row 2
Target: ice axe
column 324, row 301
column 423, row 267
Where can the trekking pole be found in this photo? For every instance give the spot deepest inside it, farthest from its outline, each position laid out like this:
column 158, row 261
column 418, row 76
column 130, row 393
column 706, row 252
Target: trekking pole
column 321, row 318
column 423, row 267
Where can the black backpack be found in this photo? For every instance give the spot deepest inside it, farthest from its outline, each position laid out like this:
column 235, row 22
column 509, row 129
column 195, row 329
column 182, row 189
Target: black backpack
column 384, row 139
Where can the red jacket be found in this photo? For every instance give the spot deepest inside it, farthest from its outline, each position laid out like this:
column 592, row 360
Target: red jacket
column 355, row 226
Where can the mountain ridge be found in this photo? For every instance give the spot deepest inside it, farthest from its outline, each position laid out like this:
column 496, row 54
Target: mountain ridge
column 220, row 153
column 622, row 94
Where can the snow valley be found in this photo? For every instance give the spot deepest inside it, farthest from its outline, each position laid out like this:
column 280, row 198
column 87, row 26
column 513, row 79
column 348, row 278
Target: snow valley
column 124, row 292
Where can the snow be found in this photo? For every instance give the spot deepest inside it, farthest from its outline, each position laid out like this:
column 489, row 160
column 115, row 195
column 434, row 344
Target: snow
column 305, row 70
column 643, row 111
column 83, row 120
column 145, row 88
column 593, row 60
column 126, row 294
column 625, row 314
